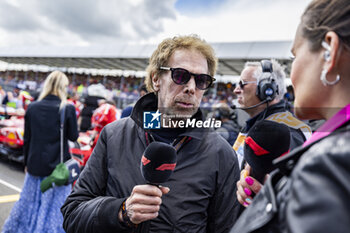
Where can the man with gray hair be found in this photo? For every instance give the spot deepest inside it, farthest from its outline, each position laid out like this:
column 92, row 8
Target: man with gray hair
column 260, row 93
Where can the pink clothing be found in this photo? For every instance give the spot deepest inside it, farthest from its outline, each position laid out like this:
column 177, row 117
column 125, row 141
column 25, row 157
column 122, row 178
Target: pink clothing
column 331, row 125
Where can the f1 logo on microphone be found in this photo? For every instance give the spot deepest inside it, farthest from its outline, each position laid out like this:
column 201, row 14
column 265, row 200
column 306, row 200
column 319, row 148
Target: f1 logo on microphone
column 151, row 120
column 166, row 166
column 145, row 161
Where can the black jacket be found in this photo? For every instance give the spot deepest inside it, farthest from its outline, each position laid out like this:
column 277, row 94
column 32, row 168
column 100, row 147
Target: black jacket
column 299, row 131
column 297, row 135
column 202, row 188
column 42, row 135
column 309, row 197
column 90, row 105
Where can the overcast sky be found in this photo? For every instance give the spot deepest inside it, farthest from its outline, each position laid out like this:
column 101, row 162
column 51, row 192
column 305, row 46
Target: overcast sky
column 98, row 22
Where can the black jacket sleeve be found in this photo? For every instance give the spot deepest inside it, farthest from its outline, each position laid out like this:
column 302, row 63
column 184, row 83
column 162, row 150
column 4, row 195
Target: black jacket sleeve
column 320, row 191
column 222, row 214
column 87, row 208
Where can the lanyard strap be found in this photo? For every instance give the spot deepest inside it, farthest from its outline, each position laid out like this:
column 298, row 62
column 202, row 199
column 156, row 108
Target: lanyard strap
column 177, row 144
column 62, row 114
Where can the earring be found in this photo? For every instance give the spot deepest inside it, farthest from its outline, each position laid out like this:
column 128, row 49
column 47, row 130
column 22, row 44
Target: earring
column 327, row 55
column 324, row 80
column 325, row 45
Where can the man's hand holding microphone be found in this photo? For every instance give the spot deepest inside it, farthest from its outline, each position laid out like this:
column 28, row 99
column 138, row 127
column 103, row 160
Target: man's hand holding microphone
column 157, row 164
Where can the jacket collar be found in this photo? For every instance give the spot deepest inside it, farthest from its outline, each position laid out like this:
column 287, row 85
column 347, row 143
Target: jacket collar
column 52, row 97
column 339, row 119
column 149, row 102
column 286, row 163
column 278, row 107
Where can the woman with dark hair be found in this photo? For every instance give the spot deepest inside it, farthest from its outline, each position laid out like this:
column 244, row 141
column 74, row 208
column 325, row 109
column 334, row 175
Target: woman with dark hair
column 35, row 211
column 310, row 190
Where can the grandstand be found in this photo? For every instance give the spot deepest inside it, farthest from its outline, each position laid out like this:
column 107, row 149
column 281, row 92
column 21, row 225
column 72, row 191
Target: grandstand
column 121, row 68
column 132, row 59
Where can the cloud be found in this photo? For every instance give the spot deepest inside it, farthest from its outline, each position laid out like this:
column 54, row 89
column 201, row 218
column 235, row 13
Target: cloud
column 91, row 22
column 240, row 20
column 82, row 17
column 147, row 19
column 14, row 18
column 84, row 21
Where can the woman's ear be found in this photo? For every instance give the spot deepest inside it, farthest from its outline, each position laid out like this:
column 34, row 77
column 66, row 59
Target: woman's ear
column 332, row 52
column 155, row 82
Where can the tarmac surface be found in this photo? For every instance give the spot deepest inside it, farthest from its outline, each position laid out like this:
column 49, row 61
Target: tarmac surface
column 11, row 182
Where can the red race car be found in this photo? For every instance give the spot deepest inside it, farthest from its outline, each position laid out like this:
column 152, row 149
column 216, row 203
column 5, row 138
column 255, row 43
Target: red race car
column 12, row 131
column 86, row 142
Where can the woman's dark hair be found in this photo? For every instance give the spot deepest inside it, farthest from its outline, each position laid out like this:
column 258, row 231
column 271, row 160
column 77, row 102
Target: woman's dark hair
column 322, row 16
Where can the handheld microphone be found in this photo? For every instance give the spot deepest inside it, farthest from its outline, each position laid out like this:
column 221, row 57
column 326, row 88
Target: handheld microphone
column 250, row 107
column 266, row 141
column 158, row 162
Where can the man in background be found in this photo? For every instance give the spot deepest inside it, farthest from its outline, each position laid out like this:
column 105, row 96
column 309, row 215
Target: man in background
column 229, row 128
column 128, row 109
column 260, row 93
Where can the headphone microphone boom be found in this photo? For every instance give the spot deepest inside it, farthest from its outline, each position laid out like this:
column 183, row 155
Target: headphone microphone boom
column 250, row 107
column 158, row 162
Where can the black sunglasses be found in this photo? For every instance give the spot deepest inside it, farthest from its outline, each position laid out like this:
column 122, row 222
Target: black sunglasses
column 181, row 76
column 242, row 83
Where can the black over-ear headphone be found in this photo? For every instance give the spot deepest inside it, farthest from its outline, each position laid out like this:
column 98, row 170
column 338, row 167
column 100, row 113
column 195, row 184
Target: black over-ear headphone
column 267, row 88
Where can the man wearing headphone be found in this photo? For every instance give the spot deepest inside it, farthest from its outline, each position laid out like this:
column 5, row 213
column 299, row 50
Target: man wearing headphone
column 260, row 93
